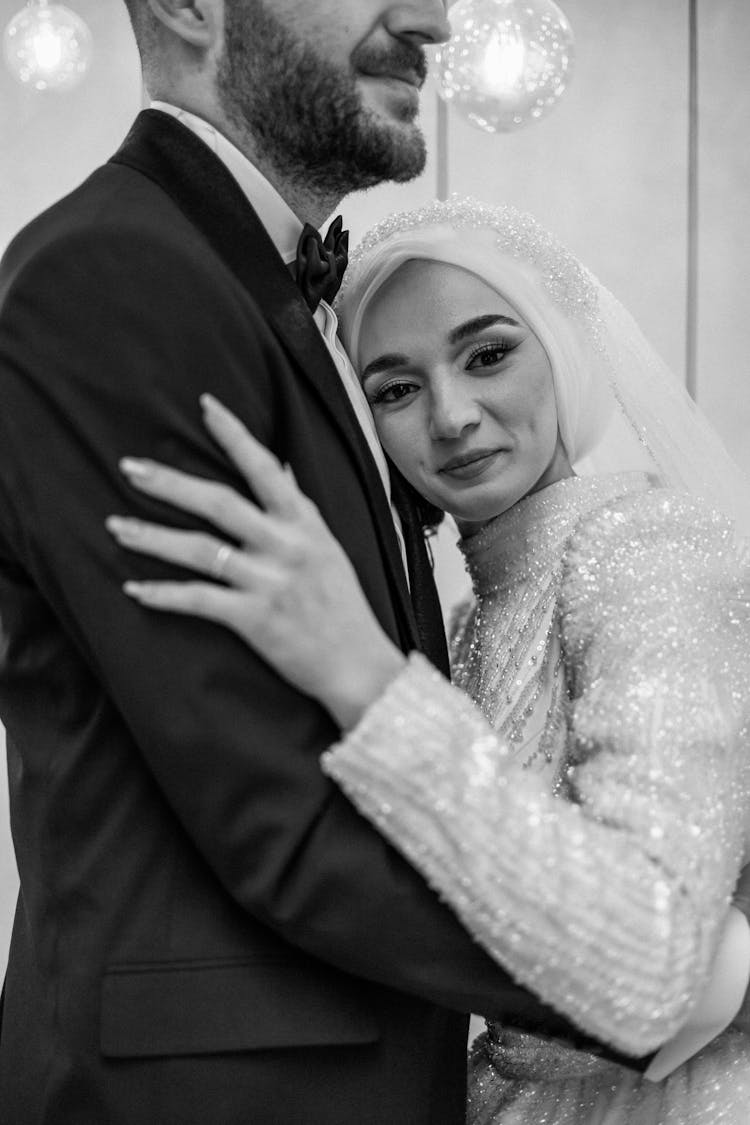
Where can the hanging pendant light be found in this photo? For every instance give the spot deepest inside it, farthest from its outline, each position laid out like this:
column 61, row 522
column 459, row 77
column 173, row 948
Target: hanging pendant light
column 509, row 61
column 47, row 46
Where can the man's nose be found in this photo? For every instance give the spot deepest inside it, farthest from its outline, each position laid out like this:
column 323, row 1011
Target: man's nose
column 420, row 21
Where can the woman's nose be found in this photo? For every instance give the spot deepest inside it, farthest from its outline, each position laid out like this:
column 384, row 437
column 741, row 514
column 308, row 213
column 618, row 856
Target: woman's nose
column 451, row 413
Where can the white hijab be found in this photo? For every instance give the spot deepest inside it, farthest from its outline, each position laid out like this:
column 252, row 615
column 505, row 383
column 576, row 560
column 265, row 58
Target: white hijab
column 619, row 407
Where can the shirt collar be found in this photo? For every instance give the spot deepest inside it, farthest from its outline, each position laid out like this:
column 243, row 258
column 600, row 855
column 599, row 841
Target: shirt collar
column 282, row 225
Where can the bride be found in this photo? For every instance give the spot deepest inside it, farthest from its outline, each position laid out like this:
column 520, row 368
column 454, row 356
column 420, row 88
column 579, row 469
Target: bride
column 583, row 803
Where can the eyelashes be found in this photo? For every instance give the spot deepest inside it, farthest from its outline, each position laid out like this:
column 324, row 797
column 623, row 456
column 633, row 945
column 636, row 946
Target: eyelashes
column 489, row 351
column 394, row 385
column 485, row 356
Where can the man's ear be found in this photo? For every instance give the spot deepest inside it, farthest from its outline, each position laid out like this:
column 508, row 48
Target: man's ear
column 196, row 21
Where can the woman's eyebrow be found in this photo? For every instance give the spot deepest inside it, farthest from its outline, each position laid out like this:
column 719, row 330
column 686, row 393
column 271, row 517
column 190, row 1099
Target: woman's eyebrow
column 384, row 363
column 477, row 324
column 455, row 336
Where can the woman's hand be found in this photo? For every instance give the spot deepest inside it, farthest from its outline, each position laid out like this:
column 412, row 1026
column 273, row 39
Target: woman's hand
column 741, row 900
column 284, row 584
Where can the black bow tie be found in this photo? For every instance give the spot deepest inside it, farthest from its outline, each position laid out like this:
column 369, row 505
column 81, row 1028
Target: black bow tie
column 321, row 262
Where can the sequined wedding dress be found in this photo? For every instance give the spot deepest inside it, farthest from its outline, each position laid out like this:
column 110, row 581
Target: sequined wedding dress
column 588, row 827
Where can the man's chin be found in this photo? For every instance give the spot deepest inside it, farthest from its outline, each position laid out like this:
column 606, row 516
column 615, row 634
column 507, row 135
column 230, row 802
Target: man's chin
column 391, row 100
column 400, row 144
column 409, row 170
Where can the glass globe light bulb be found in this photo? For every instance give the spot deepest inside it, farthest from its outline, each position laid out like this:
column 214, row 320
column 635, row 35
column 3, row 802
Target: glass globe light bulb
column 508, row 63
column 47, row 47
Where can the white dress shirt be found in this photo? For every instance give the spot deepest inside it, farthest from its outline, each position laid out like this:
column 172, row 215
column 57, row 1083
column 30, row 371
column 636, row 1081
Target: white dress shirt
column 284, row 230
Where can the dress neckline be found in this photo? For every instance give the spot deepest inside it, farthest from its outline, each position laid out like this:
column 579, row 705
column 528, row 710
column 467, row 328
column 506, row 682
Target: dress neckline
column 523, row 542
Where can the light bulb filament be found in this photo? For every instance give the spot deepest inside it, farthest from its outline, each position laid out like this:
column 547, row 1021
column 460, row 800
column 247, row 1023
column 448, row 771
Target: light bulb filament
column 508, row 62
column 504, row 62
column 47, row 48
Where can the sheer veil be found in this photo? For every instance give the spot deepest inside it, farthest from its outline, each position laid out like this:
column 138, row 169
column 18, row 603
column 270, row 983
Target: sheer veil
column 619, row 405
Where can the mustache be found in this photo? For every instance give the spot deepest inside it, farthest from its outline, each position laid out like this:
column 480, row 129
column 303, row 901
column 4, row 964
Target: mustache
column 401, row 58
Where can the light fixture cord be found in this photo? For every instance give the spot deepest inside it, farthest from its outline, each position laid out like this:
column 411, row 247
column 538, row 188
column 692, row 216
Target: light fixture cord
column 691, row 301
column 442, row 170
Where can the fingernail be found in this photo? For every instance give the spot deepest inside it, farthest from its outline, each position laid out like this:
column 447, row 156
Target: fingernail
column 209, row 403
column 134, row 589
column 134, row 467
column 122, row 527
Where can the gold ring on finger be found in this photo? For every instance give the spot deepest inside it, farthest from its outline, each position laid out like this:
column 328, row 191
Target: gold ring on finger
column 219, row 564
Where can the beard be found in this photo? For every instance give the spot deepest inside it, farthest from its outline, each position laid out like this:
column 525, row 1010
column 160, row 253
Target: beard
column 305, row 115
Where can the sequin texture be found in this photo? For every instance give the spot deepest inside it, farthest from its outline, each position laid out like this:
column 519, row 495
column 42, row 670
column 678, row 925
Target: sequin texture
column 517, row 233
column 611, row 628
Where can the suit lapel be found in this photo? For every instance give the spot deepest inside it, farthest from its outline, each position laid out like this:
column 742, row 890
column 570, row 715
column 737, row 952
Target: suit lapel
column 165, row 151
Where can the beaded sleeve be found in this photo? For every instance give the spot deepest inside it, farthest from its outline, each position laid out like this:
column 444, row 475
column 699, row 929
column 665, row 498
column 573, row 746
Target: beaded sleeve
column 607, row 899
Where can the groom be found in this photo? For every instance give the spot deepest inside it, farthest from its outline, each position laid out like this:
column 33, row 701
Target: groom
column 206, row 931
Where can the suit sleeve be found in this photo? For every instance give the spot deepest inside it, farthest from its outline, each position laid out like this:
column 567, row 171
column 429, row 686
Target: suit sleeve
column 105, row 347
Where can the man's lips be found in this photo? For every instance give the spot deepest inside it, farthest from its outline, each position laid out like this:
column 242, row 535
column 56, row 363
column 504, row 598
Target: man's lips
column 409, row 77
column 469, row 464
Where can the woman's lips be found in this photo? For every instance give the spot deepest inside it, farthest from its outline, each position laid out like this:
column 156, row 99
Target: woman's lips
column 471, row 464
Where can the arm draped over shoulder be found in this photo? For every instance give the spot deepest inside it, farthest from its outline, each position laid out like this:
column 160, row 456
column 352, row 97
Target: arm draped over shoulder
column 608, row 901
column 174, row 734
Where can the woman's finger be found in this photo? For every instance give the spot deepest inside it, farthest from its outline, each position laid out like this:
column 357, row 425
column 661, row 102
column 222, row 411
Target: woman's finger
column 188, row 549
column 275, row 488
column 198, row 599
column 216, row 503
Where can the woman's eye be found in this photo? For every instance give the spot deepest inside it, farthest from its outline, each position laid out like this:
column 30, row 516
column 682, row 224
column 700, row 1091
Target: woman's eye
column 393, row 392
column 489, row 355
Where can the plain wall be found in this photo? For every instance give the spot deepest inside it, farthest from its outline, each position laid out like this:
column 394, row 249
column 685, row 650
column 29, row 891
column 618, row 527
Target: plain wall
column 606, row 171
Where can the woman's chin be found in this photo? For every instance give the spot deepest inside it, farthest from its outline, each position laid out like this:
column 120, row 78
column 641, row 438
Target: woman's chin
column 474, row 504
column 481, row 506
column 481, row 500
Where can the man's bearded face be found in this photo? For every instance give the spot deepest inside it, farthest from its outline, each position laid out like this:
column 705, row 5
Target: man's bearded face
column 338, row 117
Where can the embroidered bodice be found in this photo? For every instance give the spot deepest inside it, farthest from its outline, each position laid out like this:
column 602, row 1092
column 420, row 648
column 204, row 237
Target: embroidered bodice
column 505, row 641
column 608, row 650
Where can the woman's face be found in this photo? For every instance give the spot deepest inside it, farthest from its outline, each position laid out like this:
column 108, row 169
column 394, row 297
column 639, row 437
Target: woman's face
column 461, row 390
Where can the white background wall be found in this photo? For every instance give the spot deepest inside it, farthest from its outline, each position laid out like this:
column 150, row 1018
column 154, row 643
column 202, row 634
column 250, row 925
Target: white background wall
column 606, row 171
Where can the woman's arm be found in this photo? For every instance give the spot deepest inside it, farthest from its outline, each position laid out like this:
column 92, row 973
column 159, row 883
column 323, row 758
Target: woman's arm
column 610, row 905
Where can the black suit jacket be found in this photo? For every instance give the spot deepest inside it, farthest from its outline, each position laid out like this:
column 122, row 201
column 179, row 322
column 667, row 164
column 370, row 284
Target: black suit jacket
column 206, row 930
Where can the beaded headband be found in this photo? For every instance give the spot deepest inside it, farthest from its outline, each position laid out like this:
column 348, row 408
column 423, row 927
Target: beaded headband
column 568, row 283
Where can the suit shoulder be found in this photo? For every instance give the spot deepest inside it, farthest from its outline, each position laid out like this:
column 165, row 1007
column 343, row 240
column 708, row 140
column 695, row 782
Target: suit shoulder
column 116, row 209
column 94, row 291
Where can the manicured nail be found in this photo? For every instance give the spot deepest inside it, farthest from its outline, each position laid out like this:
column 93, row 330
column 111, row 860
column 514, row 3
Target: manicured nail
column 211, row 404
column 122, row 527
column 134, row 589
column 134, row 467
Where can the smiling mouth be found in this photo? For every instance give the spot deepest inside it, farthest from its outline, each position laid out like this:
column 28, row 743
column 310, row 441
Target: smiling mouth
column 470, row 464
